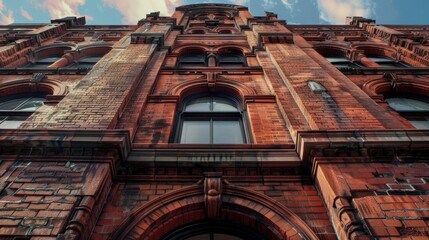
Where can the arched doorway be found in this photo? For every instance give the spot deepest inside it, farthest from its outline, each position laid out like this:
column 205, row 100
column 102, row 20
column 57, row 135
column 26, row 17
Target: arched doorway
column 189, row 210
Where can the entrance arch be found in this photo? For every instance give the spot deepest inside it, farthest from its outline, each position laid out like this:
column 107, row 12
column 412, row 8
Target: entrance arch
column 213, row 200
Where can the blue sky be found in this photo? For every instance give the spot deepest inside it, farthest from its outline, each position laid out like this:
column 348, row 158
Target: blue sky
column 294, row 11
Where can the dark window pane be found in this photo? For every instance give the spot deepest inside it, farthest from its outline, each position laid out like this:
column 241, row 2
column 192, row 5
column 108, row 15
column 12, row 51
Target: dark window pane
column 200, row 237
column 197, row 132
column 227, row 132
column 12, row 104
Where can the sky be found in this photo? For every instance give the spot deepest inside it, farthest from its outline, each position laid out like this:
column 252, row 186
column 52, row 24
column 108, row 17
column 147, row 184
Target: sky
column 116, row 12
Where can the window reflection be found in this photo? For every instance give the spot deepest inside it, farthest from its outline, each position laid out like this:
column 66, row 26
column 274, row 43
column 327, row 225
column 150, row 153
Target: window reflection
column 416, row 111
column 15, row 109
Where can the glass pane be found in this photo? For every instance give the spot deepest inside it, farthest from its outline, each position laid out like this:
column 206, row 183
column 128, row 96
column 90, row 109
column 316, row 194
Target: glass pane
column 197, row 132
column 224, row 105
column 420, row 123
column 227, row 132
column 32, row 105
column 12, row 104
column 407, row 104
column 198, row 105
column 12, row 122
column 192, row 58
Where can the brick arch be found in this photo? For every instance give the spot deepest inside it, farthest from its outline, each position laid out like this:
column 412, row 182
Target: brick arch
column 94, row 49
column 223, row 47
column 194, row 47
column 191, row 29
column 338, row 49
column 378, row 87
column 48, row 86
column 376, row 49
column 203, row 85
column 53, row 49
column 213, row 199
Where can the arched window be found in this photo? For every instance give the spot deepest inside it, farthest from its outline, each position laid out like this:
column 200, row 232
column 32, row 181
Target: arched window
column 415, row 109
column 231, row 58
column 192, row 59
column 43, row 62
column 386, row 62
column 210, row 120
column 340, row 61
column 15, row 109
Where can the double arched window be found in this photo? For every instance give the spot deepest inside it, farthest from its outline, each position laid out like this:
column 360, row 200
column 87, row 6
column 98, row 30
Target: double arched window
column 210, row 120
column 414, row 108
column 386, row 62
column 15, row 109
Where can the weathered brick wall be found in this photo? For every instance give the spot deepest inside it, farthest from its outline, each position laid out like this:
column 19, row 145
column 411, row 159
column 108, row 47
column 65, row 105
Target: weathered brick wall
column 47, row 198
column 101, row 95
column 296, row 68
column 391, row 199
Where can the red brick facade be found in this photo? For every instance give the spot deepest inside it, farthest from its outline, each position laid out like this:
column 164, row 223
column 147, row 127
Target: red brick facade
column 322, row 153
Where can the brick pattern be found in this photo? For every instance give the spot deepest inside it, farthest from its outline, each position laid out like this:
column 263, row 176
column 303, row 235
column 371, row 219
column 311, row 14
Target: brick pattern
column 135, row 106
column 290, row 111
column 156, row 123
column 344, row 112
column 386, row 178
column 124, row 198
column 303, row 200
column 101, row 95
column 39, row 198
column 267, row 124
column 404, row 217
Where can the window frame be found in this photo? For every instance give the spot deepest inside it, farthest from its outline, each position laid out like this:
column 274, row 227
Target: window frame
column 16, row 113
column 410, row 114
column 382, row 59
column 211, row 117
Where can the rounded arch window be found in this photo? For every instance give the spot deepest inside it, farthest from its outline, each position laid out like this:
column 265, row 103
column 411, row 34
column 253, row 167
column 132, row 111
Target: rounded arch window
column 231, row 58
column 214, row 230
column 44, row 62
column 414, row 108
column 15, row 109
column 340, row 61
column 193, row 58
column 210, row 119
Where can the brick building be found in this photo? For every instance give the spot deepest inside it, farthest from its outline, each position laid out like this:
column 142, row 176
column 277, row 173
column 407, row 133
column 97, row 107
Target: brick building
column 214, row 124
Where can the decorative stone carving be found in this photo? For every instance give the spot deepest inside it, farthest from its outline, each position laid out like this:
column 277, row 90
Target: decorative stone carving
column 213, row 194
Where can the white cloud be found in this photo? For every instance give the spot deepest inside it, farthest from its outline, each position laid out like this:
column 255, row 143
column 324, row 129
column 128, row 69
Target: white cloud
column 26, row 15
column 61, row 8
column 6, row 16
column 289, row 3
column 133, row 10
column 336, row 11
